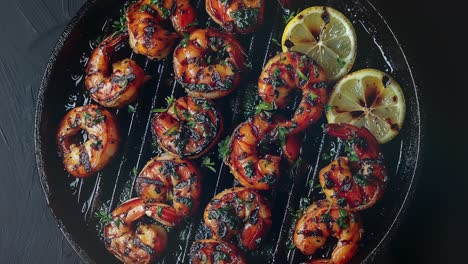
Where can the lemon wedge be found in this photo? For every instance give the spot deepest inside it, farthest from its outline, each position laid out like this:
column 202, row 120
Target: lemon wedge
column 369, row 98
column 325, row 35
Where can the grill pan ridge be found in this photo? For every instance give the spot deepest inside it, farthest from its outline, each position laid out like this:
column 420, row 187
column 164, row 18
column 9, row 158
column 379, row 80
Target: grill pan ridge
column 75, row 201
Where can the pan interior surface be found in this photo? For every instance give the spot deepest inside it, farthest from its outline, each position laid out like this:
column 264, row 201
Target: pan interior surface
column 74, row 201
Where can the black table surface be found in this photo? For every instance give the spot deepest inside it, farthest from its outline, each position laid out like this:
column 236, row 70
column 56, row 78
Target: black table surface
column 432, row 36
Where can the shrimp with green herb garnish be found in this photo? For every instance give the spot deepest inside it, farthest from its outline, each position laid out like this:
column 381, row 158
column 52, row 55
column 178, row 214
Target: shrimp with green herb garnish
column 239, row 212
column 146, row 25
column 168, row 179
column 209, row 63
column 113, row 84
column 248, row 154
column 291, row 71
column 188, row 128
column 210, row 251
column 355, row 182
column 133, row 234
column 83, row 159
column 243, row 16
column 323, row 219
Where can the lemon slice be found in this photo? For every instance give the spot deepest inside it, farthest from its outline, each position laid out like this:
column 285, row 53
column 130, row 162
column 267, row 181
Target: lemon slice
column 325, row 35
column 369, row 98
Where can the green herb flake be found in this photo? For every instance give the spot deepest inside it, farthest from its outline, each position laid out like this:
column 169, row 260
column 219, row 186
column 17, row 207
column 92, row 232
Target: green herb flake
column 342, row 221
column 361, row 180
column 158, row 110
column 282, row 133
column 209, row 164
column 160, row 209
column 170, row 100
column 301, row 74
column 276, row 42
column 185, row 40
column 249, row 169
column 131, row 109
column 223, row 148
column 143, row 8
column 340, row 61
column 264, row 106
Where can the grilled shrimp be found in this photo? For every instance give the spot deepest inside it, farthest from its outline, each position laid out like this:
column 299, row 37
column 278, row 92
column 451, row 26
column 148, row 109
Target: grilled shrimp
column 149, row 35
column 189, row 128
column 248, row 164
column 170, row 179
column 355, row 184
column 323, row 219
column 116, row 85
column 239, row 212
column 209, row 63
column 131, row 237
column 242, row 16
column 211, row 251
column 290, row 71
column 101, row 140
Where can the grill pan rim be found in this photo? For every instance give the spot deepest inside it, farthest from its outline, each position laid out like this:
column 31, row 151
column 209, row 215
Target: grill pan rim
column 38, row 142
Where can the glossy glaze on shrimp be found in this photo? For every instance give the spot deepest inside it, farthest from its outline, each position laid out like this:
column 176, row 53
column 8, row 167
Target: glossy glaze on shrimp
column 243, row 16
column 83, row 159
column 247, row 159
column 289, row 72
column 113, row 84
column 355, row 183
column 189, row 128
column 209, row 63
column 131, row 237
column 211, row 251
column 147, row 25
column 323, row 219
column 240, row 212
column 169, row 179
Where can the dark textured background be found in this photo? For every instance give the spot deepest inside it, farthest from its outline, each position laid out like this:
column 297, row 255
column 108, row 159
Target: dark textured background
column 432, row 36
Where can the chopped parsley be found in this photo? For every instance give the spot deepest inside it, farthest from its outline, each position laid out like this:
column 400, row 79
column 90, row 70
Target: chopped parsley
column 169, row 100
column 301, row 74
column 282, row 133
column 158, row 110
column 340, row 61
column 121, row 24
column 185, row 41
column 264, row 106
column 361, row 179
column 245, row 18
column 276, row 42
column 223, row 148
column 249, row 169
column 131, row 109
column 342, row 221
column 209, row 164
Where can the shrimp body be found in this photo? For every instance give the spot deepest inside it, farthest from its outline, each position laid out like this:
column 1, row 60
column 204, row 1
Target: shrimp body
column 248, row 164
column 170, row 179
column 102, row 140
column 116, row 85
column 239, row 212
column 146, row 23
column 242, row 16
column 211, row 251
column 134, row 241
column 189, row 128
column 293, row 71
column 358, row 184
column 209, row 63
column 323, row 219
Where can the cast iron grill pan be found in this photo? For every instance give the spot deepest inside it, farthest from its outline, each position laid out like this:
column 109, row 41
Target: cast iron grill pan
column 74, row 202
